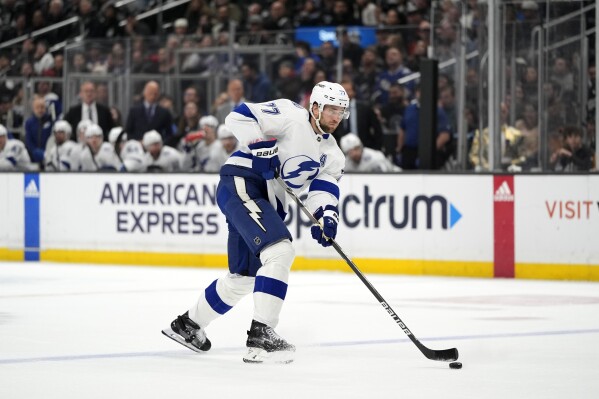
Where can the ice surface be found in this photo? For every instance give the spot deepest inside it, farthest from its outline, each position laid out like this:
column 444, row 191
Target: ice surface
column 81, row 331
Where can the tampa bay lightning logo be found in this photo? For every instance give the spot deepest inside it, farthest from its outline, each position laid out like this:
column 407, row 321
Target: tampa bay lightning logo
column 299, row 169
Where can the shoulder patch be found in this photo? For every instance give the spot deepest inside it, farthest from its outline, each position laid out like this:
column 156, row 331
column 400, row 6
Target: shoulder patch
column 323, row 160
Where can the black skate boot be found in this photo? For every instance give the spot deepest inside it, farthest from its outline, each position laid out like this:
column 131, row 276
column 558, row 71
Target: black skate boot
column 265, row 345
column 186, row 332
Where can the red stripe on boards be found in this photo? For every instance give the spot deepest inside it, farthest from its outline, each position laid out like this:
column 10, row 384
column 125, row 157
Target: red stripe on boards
column 503, row 225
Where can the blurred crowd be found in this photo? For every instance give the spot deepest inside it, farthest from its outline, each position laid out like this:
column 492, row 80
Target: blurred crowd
column 162, row 132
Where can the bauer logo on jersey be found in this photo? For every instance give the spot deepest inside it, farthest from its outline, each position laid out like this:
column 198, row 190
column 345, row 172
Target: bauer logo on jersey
column 296, row 171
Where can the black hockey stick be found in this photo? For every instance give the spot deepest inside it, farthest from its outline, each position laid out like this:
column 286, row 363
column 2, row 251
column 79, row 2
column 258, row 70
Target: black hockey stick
column 446, row 355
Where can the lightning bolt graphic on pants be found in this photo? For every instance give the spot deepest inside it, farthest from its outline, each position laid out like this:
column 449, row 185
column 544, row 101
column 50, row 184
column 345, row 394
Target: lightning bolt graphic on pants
column 252, row 207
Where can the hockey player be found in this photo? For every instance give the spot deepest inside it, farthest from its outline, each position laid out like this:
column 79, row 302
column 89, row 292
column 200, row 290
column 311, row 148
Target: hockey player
column 13, row 154
column 60, row 156
column 130, row 152
column 277, row 137
column 222, row 149
column 198, row 146
column 98, row 155
column 364, row 159
column 159, row 158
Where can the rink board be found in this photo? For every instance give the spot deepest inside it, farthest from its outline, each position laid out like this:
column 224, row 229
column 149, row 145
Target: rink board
column 533, row 226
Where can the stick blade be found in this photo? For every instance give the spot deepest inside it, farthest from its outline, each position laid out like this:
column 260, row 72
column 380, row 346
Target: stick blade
column 443, row 355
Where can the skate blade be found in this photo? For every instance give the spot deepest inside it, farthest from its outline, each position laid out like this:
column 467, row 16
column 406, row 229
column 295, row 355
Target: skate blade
column 257, row 356
column 177, row 338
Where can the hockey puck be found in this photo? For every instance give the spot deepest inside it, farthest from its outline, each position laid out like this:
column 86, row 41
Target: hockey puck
column 455, row 365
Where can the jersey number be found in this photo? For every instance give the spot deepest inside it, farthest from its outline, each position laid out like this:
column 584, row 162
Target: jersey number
column 270, row 108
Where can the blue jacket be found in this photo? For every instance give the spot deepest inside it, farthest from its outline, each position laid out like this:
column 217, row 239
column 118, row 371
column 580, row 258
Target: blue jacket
column 37, row 132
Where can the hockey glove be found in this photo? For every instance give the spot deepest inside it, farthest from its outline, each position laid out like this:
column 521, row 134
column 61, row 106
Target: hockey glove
column 328, row 220
column 265, row 158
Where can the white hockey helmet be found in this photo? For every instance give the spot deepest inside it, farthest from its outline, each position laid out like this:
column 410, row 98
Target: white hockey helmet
column 151, row 137
column 349, row 142
column 63, row 126
column 208, row 120
column 3, row 131
column 93, row 130
column 83, row 125
column 328, row 93
column 114, row 133
column 224, row 132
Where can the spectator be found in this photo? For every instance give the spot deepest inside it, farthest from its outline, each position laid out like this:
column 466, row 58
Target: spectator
column 116, row 60
column 102, row 93
column 235, row 97
column 38, row 128
column 256, row 86
column 419, row 53
column 117, row 118
column 367, row 74
column 362, row 159
column 148, row 115
column 328, row 58
column 351, row 47
column 362, row 119
column 43, row 60
column 97, row 61
column 407, row 139
column 223, row 20
column 395, row 71
column 108, row 24
column 98, row 155
column 134, row 28
column 563, row 76
column 9, row 118
column 309, row 15
column 279, row 22
column 79, row 64
column 342, row 14
column 512, row 146
column 195, row 10
column 191, row 95
column 13, row 154
column 368, row 12
column 89, row 109
column 287, row 84
column 60, row 156
column 180, row 28
column 575, row 156
column 189, row 122
column 256, row 34
column 159, row 158
column 448, row 103
column 527, row 123
column 391, row 115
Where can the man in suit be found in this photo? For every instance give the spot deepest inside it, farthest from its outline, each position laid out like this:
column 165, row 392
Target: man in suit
column 148, row 115
column 362, row 120
column 89, row 109
column 235, row 94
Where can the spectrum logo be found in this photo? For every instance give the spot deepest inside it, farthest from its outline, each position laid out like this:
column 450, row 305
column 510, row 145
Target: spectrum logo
column 403, row 212
column 364, row 210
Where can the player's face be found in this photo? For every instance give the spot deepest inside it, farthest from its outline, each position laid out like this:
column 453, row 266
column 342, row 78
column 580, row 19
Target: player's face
column 60, row 137
column 331, row 117
column 228, row 144
column 154, row 150
column 95, row 142
column 355, row 154
column 2, row 142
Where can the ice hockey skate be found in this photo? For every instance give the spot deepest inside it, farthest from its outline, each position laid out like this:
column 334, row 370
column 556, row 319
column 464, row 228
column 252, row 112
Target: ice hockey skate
column 266, row 346
column 188, row 333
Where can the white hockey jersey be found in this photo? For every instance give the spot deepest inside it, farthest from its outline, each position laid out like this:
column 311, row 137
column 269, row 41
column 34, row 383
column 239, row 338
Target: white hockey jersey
column 371, row 161
column 169, row 160
column 133, row 156
column 62, row 158
column 14, row 156
column 105, row 159
column 308, row 160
